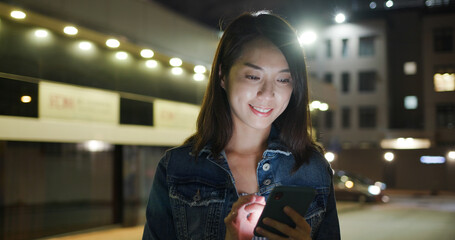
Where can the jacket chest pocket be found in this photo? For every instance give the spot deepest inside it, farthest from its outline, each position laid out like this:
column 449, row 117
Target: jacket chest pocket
column 197, row 207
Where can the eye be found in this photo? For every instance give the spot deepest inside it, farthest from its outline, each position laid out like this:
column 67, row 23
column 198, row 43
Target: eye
column 284, row 80
column 252, row 77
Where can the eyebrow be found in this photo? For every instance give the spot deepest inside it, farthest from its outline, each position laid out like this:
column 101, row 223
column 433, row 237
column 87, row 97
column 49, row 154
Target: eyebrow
column 259, row 68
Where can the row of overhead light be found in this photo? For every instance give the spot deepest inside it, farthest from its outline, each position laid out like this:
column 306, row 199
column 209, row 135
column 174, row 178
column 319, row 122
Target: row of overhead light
column 175, row 63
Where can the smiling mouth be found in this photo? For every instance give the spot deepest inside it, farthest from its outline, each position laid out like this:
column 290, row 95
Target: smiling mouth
column 261, row 110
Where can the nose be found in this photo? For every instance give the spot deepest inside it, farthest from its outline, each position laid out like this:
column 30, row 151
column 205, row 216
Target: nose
column 266, row 89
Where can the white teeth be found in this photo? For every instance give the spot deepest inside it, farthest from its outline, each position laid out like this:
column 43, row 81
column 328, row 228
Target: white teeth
column 262, row 110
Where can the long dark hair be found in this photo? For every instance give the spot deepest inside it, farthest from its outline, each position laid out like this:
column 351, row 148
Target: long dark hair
column 214, row 123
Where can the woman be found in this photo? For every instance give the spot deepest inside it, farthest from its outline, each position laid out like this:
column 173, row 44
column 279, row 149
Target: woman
column 252, row 135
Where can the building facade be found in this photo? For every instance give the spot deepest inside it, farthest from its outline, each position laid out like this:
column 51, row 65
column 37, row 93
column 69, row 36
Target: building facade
column 394, row 75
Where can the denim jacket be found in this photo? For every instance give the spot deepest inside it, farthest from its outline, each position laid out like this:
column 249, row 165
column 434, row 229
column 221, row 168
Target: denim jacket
column 191, row 197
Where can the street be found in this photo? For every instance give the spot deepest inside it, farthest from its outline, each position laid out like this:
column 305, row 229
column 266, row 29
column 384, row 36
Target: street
column 404, row 217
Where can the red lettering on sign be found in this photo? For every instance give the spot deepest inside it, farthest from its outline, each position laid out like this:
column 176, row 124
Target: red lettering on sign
column 61, row 102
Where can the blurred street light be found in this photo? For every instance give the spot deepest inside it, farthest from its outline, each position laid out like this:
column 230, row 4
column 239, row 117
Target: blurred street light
column 388, row 156
column 451, row 155
column 340, row 18
column 307, row 38
column 389, row 4
column 329, row 156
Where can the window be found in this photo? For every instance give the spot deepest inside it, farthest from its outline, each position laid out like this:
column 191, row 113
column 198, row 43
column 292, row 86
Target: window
column 18, row 98
column 329, row 119
column 410, row 68
column 346, row 117
column 328, row 78
column 344, row 48
column 444, row 78
column 367, row 81
column 367, row 117
column 445, row 115
column 443, row 39
column 328, row 48
column 411, row 102
column 136, row 112
column 366, row 46
column 345, row 79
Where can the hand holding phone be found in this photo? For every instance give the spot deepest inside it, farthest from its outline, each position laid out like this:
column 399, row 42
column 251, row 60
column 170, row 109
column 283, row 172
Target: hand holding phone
column 297, row 197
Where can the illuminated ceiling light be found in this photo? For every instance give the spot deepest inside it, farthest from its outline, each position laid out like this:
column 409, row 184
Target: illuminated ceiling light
column 18, row 14
column 199, row 69
column 177, row 70
column 121, row 55
column 429, row 3
column 151, row 63
column 112, row 43
column 315, row 104
column 70, row 30
column 96, row 146
column 373, row 5
column 340, row 18
column 198, row 77
column 85, row 45
column 147, row 53
column 307, row 38
column 389, row 4
column 388, row 156
column 329, row 156
column 41, row 33
column 175, row 62
column 26, row 99
column 324, row 107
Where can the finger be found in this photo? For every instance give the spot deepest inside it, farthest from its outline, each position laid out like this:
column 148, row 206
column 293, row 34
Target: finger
column 299, row 221
column 237, row 208
column 254, row 217
column 254, row 207
column 230, row 218
column 242, row 201
column 260, row 199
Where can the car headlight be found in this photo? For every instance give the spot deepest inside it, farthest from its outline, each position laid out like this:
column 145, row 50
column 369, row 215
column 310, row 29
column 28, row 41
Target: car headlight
column 381, row 185
column 374, row 190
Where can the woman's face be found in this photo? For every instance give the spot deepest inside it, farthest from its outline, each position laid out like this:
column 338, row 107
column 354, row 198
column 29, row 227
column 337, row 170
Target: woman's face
column 259, row 85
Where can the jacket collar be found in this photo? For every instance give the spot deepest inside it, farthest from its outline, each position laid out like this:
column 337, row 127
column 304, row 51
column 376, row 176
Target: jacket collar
column 274, row 144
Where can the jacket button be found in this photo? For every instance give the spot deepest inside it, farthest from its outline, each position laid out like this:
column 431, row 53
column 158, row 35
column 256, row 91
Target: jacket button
column 266, row 167
column 267, row 182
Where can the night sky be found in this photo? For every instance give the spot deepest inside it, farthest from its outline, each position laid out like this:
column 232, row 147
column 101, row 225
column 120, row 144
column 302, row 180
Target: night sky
column 213, row 12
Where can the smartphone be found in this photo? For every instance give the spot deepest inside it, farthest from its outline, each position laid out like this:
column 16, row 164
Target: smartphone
column 297, row 197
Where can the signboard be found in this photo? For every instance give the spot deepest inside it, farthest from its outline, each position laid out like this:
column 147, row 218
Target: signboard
column 60, row 101
column 175, row 115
